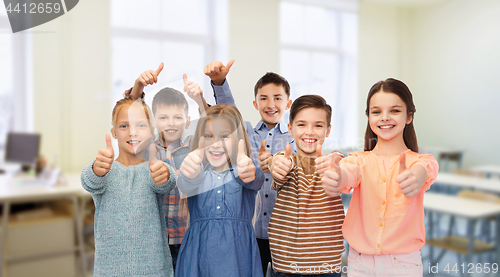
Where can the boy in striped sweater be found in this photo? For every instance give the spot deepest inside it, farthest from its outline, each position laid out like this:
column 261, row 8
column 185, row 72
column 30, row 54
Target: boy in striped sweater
column 305, row 231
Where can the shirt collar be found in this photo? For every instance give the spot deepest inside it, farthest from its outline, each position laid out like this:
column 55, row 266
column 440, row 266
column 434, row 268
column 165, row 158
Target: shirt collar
column 280, row 126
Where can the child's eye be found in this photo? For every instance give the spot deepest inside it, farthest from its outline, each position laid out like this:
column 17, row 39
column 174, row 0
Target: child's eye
column 143, row 126
column 262, row 98
column 208, row 136
column 395, row 111
column 301, row 125
column 375, row 112
column 122, row 126
column 162, row 117
column 278, row 98
column 319, row 126
column 179, row 118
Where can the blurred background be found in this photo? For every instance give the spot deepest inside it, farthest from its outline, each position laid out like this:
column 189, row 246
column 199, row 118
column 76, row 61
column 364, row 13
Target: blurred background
column 61, row 79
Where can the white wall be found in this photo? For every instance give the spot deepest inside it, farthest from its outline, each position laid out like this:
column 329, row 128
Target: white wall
column 447, row 53
column 456, row 77
column 254, row 45
column 72, row 84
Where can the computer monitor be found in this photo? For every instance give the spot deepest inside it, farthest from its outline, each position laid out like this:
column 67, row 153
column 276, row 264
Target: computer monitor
column 22, row 148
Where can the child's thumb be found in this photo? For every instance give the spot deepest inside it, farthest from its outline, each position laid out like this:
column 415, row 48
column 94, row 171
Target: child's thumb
column 152, row 153
column 185, row 78
column 160, row 68
column 201, row 147
column 229, row 64
column 262, row 148
column 108, row 142
column 288, row 151
column 402, row 162
column 319, row 152
column 241, row 148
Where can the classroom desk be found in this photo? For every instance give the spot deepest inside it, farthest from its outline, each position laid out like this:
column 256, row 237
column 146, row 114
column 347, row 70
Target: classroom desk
column 488, row 170
column 12, row 192
column 472, row 211
column 468, row 182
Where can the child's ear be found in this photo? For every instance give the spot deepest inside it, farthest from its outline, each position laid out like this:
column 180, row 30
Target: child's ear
column 288, row 105
column 255, row 105
column 409, row 118
column 290, row 129
column 328, row 130
column 113, row 132
column 188, row 121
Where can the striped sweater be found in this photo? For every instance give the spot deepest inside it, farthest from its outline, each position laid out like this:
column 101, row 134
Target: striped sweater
column 305, row 231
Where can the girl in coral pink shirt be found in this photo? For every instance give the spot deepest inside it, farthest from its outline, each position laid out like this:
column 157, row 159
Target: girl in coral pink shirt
column 385, row 221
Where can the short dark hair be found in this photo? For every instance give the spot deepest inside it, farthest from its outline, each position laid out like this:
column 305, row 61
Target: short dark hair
column 170, row 97
column 310, row 101
column 272, row 78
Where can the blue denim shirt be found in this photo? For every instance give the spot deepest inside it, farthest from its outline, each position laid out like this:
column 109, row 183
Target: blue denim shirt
column 276, row 140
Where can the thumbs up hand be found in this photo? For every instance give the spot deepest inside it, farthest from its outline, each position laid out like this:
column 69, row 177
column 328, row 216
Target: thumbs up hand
column 264, row 157
column 192, row 89
column 104, row 159
column 218, row 72
column 191, row 166
column 246, row 168
column 407, row 179
column 159, row 171
column 281, row 165
column 332, row 177
column 149, row 77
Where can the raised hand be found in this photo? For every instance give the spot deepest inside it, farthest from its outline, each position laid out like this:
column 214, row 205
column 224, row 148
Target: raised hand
column 104, row 159
column 264, row 157
column 246, row 168
column 159, row 171
column 149, row 77
column 192, row 89
column 332, row 177
column 218, row 72
column 406, row 179
column 191, row 166
column 282, row 164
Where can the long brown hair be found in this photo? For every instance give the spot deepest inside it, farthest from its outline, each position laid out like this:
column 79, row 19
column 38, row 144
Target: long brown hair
column 233, row 116
column 400, row 89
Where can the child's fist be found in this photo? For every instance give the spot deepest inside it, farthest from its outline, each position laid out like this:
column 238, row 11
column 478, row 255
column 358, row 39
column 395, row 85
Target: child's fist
column 192, row 89
column 264, row 157
column 246, row 168
column 191, row 166
column 159, row 171
column 149, row 77
column 104, row 159
column 406, row 179
column 218, row 72
column 332, row 177
column 282, row 164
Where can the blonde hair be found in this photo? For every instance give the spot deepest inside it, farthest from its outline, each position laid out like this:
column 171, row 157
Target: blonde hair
column 127, row 102
column 233, row 116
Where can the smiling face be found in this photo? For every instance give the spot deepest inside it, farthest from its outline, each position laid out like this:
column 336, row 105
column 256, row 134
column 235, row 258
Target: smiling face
column 309, row 128
column 132, row 130
column 171, row 121
column 271, row 101
column 218, row 132
column 387, row 116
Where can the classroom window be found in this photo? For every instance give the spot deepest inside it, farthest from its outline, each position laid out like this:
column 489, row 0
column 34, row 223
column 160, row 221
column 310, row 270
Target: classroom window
column 185, row 35
column 15, row 111
column 319, row 56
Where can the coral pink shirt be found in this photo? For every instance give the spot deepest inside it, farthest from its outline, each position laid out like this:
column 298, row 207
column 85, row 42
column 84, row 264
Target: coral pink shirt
column 380, row 219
